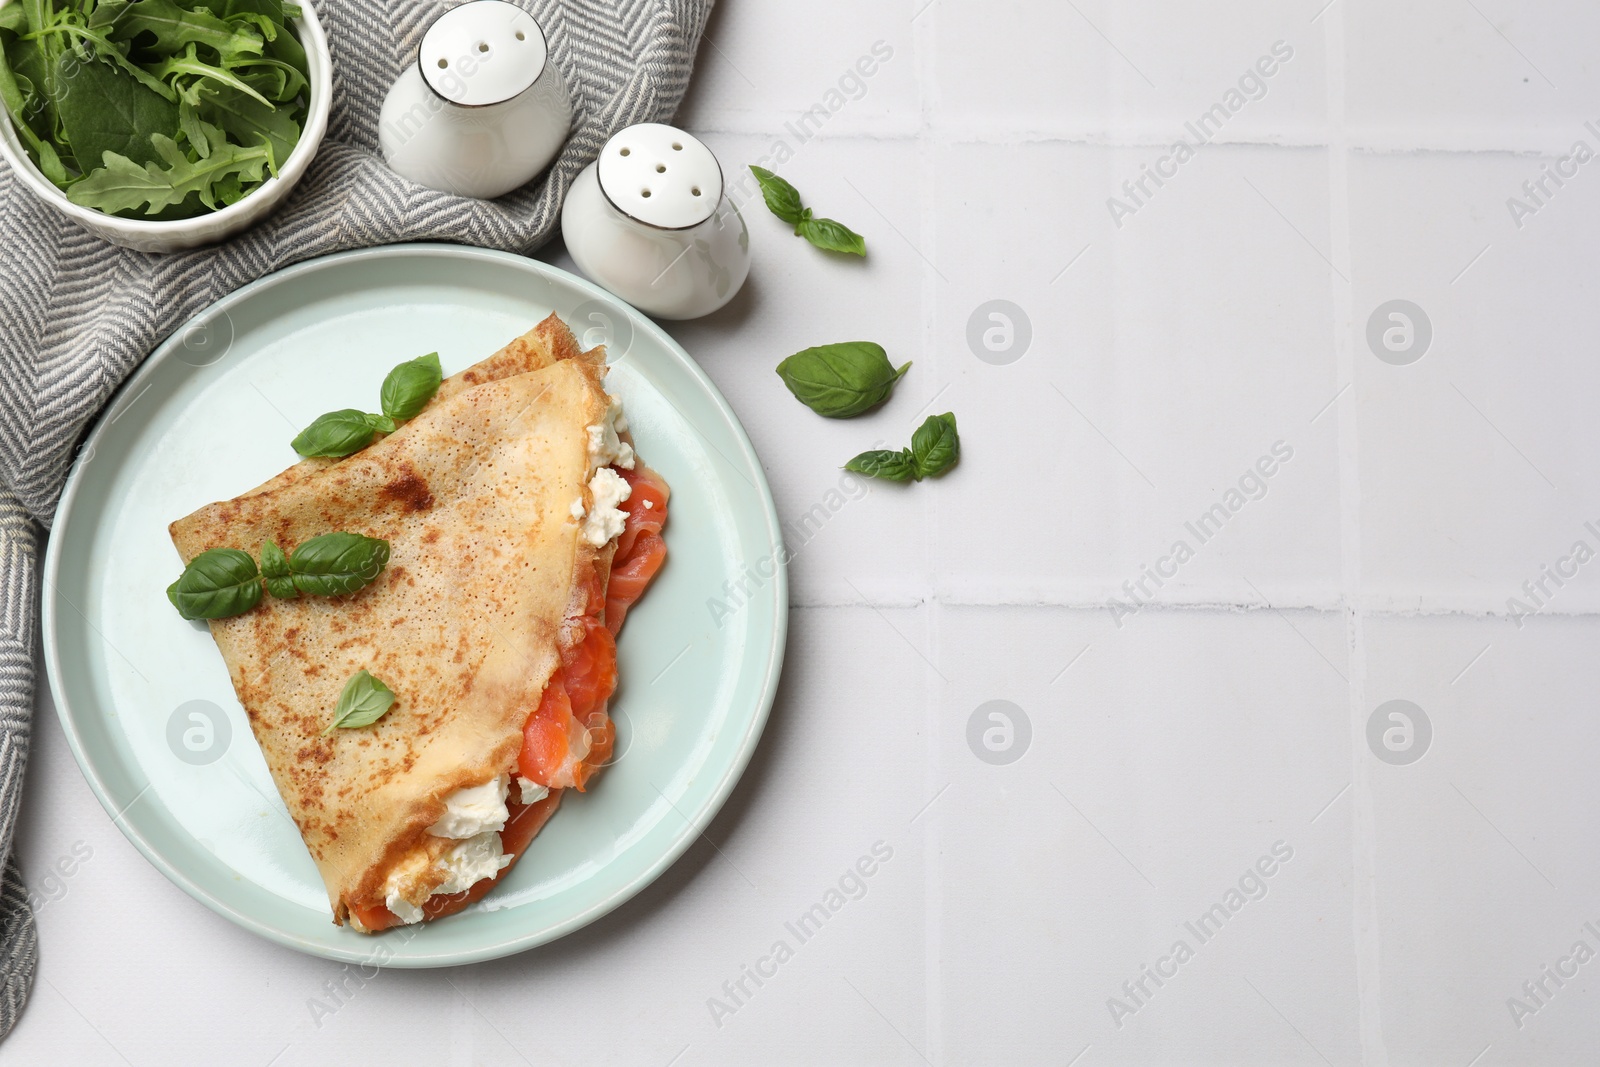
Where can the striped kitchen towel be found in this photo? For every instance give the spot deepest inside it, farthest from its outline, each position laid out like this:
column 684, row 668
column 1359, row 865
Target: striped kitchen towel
column 77, row 314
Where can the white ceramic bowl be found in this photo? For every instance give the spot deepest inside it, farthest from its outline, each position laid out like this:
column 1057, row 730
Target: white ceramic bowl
column 213, row 226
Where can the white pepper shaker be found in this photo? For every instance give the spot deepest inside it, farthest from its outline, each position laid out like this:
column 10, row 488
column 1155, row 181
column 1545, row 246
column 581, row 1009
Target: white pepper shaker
column 648, row 221
column 483, row 110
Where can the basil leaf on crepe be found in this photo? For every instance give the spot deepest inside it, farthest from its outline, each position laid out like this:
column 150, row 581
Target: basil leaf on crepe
column 338, row 433
column 217, row 584
column 409, row 387
column 336, row 564
column 275, row 572
column 363, row 701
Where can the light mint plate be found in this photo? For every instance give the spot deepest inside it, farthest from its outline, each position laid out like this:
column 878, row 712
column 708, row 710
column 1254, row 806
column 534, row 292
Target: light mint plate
column 144, row 697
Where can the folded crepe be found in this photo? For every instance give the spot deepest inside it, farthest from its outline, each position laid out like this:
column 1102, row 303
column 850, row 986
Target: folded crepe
column 521, row 527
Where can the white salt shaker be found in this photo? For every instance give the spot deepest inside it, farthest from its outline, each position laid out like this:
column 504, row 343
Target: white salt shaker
column 648, row 221
column 483, row 109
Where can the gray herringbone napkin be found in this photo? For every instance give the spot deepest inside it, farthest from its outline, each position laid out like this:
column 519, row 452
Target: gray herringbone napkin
column 77, row 315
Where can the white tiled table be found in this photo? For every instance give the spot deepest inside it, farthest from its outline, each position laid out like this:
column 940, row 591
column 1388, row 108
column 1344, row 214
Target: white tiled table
column 1171, row 747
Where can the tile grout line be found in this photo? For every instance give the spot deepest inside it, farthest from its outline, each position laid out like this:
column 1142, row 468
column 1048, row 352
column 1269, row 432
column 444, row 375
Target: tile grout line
column 924, row 41
column 1375, row 142
column 1363, row 859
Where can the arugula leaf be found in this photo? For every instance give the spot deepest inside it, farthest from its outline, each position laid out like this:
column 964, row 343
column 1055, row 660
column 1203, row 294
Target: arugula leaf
column 107, row 12
column 337, row 563
column 841, row 380
column 86, row 40
column 363, row 701
column 248, row 121
column 166, row 29
column 409, row 387
column 104, row 109
column 122, row 185
column 217, row 584
column 17, row 95
column 190, row 64
column 338, row 433
column 194, row 134
column 228, row 190
column 273, row 79
column 32, row 66
column 229, row 9
column 275, row 572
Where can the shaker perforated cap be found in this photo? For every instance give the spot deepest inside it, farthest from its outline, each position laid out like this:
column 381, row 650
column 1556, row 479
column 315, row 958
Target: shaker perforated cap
column 660, row 175
column 483, row 52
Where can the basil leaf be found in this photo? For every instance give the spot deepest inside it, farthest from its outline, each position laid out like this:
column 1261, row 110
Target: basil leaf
column 12, row 18
column 274, row 564
column 840, row 380
column 893, row 466
column 338, row 433
column 936, row 446
column 409, row 387
column 282, row 588
column 275, row 572
column 381, row 423
column 783, row 200
column 832, row 236
column 337, row 563
column 363, row 701
column 217, row 584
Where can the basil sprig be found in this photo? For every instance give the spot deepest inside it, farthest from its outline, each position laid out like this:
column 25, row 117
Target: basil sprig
column 216, row 584
column 935, row 448
column 783, row 200
column 363, row 701
column 337, row 563
column 222, row 582
column 406, row 391
column 841, row 380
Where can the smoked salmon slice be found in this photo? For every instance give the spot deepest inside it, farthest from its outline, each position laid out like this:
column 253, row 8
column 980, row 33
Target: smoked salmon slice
column 640, row 549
